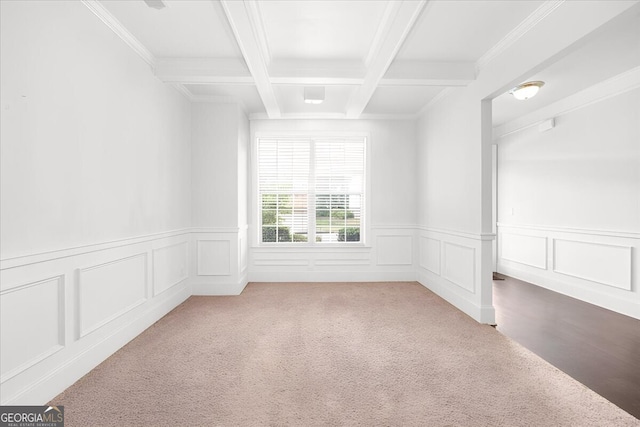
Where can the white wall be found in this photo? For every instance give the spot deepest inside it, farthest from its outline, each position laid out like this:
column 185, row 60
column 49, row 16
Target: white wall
column 389, row 253
column 569, row 204
column 454, row 155
column 87, row 135
column 584, row 173
column 219, row 198
column 215, row 165
column 95, row 196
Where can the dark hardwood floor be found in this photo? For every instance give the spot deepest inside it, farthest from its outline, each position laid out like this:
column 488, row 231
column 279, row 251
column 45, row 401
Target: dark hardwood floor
column 597, row 347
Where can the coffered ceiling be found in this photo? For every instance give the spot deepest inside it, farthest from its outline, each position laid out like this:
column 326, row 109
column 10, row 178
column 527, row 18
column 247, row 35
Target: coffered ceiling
column 376, row 59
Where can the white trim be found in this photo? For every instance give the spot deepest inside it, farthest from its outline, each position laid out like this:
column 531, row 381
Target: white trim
column 518, row 32
column 464, row 234
column 219, row 289
column 184, row 91
column 365, row 228
column 438, row 285
column 203, row 70
column 240, row 18
column 627, row 285
column 217, row 99
column 436, row 99
column 444, row 259
column 116, row 26
column 401, row 274
column 389, row 13
column 62, row 333
column 254, row 11
column 81, row 330
column 400, row 18
column 544, row 266
column 332, row 116
column 73, row 369
column 561, row 229
column 22, row 260
column 394, row 226
column 153, row 265
column 376, row 116
column 217, row 229
column 619, row 304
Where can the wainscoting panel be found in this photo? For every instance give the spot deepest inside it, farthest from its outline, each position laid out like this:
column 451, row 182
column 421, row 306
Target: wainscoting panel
column 221, row 261
column 170, row 266
column 395, row 250
column 63, row 312
column 597, row 262
column 523, row 249
column 459, row 265
column 388, row 255
column 596, row 266
column 430, row 254
column 214, row 257
column 31, row 324
column 107, row 291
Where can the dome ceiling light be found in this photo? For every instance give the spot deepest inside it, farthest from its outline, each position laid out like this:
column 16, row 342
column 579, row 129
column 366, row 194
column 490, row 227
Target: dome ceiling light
column 526, row 90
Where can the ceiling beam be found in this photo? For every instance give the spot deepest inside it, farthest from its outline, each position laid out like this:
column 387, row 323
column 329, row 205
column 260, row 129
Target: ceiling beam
column 305, row 72
column 398, row 21
column 428, row 73
column 203, row 70
column 313, row 72
column 242, row 19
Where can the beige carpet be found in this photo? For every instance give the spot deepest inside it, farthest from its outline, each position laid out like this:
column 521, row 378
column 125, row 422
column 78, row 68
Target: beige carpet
column 338, row 354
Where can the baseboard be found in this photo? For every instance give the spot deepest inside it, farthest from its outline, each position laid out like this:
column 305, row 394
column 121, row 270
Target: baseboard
column 332, row 276
column 79, row 365
column 481, row 314
column 219, row 289
column 627, row 306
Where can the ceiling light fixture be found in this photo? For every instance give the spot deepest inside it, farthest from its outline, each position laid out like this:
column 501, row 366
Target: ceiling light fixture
column 155, row 4
column 526, row 90
column 313, row 94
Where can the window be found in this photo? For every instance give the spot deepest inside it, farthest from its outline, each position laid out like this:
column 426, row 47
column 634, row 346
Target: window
column 311, row 190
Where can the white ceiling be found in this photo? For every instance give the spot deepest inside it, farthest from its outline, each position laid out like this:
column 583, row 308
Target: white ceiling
column 611, row 52
column 313, row 30
column 463, row 30
column 375, row 58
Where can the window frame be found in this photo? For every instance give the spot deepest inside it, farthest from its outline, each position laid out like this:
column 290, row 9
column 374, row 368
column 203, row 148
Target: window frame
column 256, row 219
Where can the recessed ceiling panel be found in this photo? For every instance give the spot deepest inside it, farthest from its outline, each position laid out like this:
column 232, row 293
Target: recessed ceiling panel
column 247, row 94
column 291, row 100
column 612, row 52
column 401, row 100
column 185, row 28
column 463, row 30
column 321, row 29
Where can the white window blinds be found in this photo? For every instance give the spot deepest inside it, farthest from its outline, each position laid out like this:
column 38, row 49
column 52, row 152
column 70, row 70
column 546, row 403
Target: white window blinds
column 311, row 190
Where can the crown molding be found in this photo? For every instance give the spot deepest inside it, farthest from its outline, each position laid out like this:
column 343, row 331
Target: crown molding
column 116, row 26
column 439, row 97
column 333, row 116
column 219, row 99
column 203, row 70
column 184, row 91
column 518, row 32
